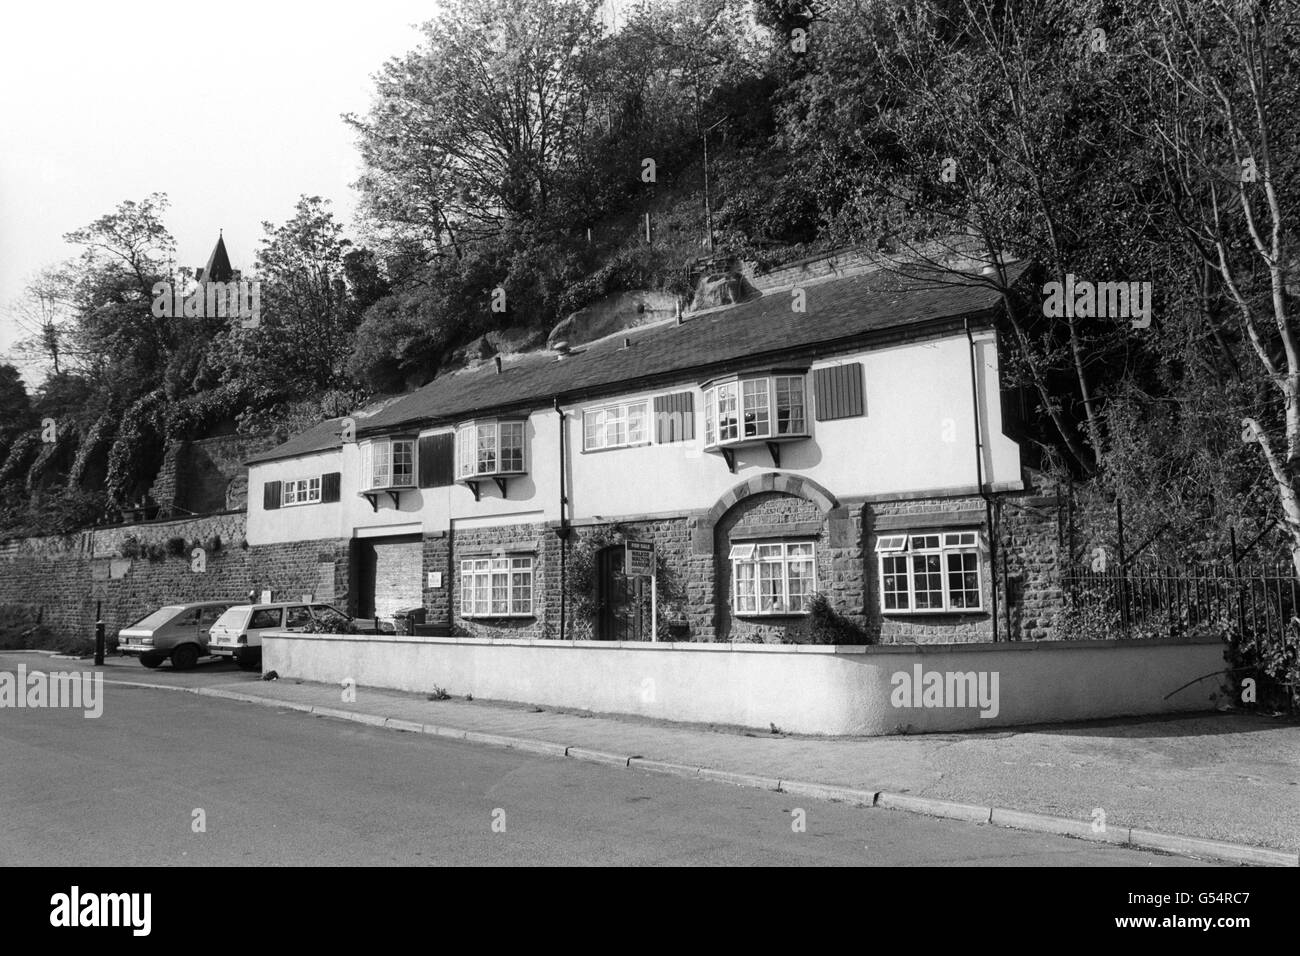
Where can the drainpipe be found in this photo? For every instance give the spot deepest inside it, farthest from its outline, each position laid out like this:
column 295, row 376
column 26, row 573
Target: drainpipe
column 562, row 532
column 979, row 478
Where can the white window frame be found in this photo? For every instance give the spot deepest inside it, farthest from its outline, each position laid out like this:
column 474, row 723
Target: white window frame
column 481, row 591
column 756, row 396
column 597, row 423
column 946, row 545
column 470, row 437
column 383, row 451
column 757, row 555
column 300, row 491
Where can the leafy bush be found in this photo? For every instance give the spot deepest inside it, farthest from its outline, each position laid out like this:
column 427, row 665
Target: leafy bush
column 131, row 547
column 176, row 547
column 825, row 625
column 332, row 623
column 1273, row 661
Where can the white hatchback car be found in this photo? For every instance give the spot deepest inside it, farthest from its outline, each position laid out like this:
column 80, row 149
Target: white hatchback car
column 238, row 632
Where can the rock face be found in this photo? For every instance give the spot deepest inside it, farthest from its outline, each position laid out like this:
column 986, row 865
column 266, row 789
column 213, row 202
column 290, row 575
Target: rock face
column 721, row 288
column 613, row 313
column 507, row 341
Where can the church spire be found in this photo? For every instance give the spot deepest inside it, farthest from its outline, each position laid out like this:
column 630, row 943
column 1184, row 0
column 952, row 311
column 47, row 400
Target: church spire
column 218, row 268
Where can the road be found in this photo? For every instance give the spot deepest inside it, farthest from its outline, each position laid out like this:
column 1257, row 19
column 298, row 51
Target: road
column 285, row 788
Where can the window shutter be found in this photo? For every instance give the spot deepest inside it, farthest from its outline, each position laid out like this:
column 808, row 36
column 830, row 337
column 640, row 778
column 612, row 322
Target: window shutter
column 839, row 392
column 437, row 460
column 674, row 417
column 329, row 486
column 270, row 495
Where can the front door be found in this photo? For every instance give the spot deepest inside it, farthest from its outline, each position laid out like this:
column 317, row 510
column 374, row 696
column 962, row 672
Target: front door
column 622, row 602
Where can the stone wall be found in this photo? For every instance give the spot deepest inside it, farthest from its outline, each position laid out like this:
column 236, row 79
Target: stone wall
column 1028, row 565
column 289, row 571
column 62, row 579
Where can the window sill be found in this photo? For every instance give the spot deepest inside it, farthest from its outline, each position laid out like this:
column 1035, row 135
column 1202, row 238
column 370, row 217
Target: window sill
column 951, row 612
column 768, row 615
column 299, row 504
column 597, row 451
column 498, row 617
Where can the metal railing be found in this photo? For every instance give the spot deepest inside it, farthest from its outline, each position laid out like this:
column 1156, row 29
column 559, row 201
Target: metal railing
column 1144, row 600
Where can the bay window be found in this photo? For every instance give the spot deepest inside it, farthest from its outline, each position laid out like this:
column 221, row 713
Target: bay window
column 496, row 587
column 488, row 448
column 388, row 463
column 757, row 408
column 929, row 573
column 772, row 578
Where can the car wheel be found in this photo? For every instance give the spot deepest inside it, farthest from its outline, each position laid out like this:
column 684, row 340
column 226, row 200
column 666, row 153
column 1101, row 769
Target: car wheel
column 152, row 660
column 185, row 657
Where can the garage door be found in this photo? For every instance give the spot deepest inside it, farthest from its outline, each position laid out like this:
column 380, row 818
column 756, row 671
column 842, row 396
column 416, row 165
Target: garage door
column 391, row 571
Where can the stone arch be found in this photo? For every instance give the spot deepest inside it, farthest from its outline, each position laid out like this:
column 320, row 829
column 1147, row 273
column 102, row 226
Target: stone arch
column 773, row 482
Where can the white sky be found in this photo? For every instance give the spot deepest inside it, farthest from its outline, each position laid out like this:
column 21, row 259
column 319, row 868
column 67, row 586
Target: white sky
column 231, row 108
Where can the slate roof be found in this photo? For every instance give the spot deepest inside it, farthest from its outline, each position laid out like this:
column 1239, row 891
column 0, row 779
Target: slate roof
column 840, row 312
column 321, row 437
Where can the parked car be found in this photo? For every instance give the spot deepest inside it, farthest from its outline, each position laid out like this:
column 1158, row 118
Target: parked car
column 238, row 632
column 176, row 631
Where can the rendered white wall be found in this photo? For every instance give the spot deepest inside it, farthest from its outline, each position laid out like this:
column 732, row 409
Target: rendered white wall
column 800, row 688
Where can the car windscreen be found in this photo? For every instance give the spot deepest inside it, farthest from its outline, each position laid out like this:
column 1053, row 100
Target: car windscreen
column 158, row 618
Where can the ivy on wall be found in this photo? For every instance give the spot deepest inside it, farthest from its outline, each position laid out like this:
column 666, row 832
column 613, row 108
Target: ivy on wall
column 138, row 450
column 582, row 578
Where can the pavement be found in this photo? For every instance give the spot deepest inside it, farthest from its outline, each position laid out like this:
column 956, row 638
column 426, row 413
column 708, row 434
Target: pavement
column 1223, row 787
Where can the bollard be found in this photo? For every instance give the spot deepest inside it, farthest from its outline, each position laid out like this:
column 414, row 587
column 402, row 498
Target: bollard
column 99, row 635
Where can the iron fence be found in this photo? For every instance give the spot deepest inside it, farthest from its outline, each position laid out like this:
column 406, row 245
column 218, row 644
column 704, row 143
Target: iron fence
column 1257, row 602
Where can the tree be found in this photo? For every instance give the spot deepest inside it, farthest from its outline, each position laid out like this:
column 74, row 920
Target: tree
column 308, row 312
column 468, row 131
column 1225, row 74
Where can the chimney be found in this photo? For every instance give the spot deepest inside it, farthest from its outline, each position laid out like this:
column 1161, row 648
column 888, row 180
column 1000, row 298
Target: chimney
column 561, row 349
column 497, row 360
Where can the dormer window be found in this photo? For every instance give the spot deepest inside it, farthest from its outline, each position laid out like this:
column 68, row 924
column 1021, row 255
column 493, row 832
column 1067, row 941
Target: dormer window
column 387, row 465
column 754, row 408
column 489, row 449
